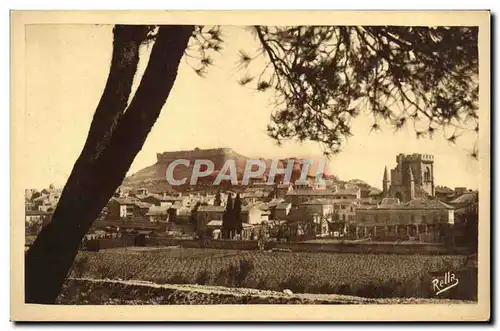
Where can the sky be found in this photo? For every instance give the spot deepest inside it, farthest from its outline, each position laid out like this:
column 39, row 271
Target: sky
column 67, row 68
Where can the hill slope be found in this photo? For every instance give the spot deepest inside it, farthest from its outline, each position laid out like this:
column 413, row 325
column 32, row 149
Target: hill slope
column 154, row 176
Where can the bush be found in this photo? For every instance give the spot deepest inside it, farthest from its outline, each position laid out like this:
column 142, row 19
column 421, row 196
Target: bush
column 178, row 278
column 295, row 284
column 104, row 271
column 202, row 278
column 80, row 266
column 234, row 275
column 244, row 270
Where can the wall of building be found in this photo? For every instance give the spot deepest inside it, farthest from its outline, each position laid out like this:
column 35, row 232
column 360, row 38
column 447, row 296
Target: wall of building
column 382, row 217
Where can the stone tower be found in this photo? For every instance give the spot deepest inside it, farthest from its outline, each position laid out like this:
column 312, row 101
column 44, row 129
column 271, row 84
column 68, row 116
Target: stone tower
column 412, row 177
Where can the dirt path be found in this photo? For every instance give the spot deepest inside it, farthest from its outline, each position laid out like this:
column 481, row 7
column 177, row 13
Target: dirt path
column 245, row 292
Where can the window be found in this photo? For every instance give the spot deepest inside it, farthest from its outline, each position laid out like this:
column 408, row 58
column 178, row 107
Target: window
column 427, row 175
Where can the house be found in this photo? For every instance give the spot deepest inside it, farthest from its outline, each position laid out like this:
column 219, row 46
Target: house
column 444, row 193
column 121, row 192
column 464, row 199
column 142, row 191
column 158, row 214
column 29, row 193
column 206, row 214
column 344, row 210
column 460, row 190
column 282, row 210
column 141, row 208
column 120, row 208
column 302, row 195
column 155, row 199
column 347, row 193
column 320, row 207
column 126, row 208
column 48, row 199
column 254, row 196
column 258, row 192
column 34, row 216
column 179, row 229
column 466, row 208
column 422, row 218
column 161, row 199
column 35, row 220
column 215, row 224
column 282, row 190
column 253, row 215
column 28, row 205
column 214, row 229
column 199, row 197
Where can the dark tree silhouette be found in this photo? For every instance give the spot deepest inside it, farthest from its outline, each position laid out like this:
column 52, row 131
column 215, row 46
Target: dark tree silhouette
column 115, row 137
column 35, row 195
column 237, row 224
column 321, row 78
column 227, row 218
column 471, row 230
column 217, row 200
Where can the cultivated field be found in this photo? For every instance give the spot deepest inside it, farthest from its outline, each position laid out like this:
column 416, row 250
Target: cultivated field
column 366, row 275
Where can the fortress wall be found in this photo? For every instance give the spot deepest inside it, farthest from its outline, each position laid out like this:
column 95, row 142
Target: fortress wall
column 220, row 155
column 193, row 154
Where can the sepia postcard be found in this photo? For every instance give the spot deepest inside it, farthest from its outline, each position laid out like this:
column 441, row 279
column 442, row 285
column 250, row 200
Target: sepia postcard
column 250, row 166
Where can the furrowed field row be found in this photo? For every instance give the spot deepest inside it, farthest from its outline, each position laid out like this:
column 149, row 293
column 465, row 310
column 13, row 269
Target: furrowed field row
column 185, row 265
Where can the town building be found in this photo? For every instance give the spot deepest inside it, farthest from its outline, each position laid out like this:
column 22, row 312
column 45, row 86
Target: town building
column 299, row 196
column 466, row 209
column 281, row 190
column 126, row 208
column 35, row 220
column 281, row 210
column 253, row 195
column 251, row 215
column 47, row 199
column 254, row 214
column 444, row 193
column 167, row 213
column 421, row 218
column 413, row 177
column 316, row 207
column 205, row 214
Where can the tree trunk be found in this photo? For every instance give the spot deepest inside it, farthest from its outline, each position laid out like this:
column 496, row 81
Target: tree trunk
column 114, row 140
column 126, row 42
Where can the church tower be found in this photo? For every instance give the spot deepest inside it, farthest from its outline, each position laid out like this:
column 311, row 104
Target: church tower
column 386, row 184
